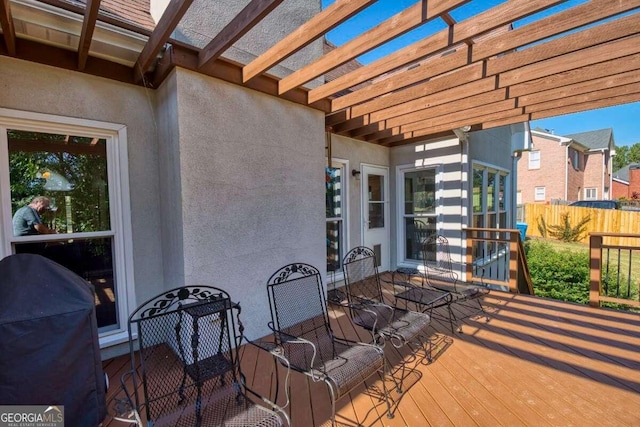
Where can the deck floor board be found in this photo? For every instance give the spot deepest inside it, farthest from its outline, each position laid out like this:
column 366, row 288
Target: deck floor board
column 536, row 362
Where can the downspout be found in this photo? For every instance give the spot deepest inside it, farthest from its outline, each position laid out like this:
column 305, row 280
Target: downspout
column 566, row 171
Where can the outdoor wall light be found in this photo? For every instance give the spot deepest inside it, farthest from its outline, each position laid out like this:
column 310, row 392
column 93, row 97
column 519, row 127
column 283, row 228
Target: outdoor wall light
column 355, row 172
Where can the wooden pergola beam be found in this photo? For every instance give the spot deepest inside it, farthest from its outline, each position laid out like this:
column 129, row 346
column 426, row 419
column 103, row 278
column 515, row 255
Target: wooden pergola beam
column 241, row 24
column 420, row 13
column 613, row 92
column 168, row 22
column 462, row 31
column 586, row 106
column 92, row 7
column 321, row 23
column 8, row 30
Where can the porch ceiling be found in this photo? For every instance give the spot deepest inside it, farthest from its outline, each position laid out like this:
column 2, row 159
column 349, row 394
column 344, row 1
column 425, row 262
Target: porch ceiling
column 481, row 72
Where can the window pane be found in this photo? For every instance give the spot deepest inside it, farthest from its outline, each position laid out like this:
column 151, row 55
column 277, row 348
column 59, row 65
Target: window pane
column 91, row 259
column 376, row 200
column 334, row 245
column 478, row 202
column 420, row 192
column 416, row 230
column 333, row 178
column 71, row 171
column 502, row 192
column 491, row 191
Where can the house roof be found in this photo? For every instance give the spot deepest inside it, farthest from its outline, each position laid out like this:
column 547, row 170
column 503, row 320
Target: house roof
column 134, row 11
column 595, row 139
column 623, row 173
column 574, row 58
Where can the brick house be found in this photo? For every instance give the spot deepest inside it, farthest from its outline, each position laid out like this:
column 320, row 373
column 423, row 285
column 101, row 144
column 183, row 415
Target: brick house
column 571, row 167
column 626, row 182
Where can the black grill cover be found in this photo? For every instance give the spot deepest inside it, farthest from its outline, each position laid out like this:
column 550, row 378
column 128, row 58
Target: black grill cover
column 49, row 352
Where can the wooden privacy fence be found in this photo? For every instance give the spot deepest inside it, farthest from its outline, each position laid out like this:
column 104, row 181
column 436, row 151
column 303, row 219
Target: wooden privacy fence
column 600, row 220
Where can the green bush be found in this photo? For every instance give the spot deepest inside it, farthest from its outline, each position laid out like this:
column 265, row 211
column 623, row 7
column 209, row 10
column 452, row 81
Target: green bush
column 560, row 275
column 564, row 275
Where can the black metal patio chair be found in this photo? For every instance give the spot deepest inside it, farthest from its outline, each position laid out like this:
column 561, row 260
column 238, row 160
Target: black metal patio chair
column 439, row 274
column 367, row 307
column 189, row 364
column 300, row 324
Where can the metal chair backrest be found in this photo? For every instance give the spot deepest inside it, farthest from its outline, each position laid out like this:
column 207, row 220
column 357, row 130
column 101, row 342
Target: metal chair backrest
column 437, row 258
column 299, row 309
column 187, row 341
column 361, row 272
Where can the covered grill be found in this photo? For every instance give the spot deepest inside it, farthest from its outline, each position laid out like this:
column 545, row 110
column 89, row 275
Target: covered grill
column 49, row 352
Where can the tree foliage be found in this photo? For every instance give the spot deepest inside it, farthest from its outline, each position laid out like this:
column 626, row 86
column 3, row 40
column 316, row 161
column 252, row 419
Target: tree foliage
column 626, row 154
column 82, row 207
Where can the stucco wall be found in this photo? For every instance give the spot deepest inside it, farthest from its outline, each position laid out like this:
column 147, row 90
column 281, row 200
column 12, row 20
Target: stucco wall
column 252, row 192
column 206, row 18
column 33, row 87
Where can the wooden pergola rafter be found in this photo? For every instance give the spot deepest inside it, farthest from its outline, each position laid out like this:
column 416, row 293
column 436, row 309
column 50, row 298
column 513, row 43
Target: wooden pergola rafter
column 481, row 71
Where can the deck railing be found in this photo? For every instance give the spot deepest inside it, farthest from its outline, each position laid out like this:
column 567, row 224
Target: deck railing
column 496, row 257
column 613, row 276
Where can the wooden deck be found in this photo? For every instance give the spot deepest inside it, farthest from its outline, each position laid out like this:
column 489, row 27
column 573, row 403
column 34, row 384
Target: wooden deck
column 536, row 362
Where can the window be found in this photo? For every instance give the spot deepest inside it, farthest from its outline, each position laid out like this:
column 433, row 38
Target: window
column 419, row 210
column 335, row 185
column 534, row 159
column 539, row 194
column 576, row 159
column 80, row 168
column 489, row 197
column 590, row 193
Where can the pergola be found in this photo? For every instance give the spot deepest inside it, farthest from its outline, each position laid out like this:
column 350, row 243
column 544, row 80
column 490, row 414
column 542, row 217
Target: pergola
column 478, row 73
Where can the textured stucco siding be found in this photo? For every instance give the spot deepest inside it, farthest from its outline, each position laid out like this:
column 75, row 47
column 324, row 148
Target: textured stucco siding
column 252, row 192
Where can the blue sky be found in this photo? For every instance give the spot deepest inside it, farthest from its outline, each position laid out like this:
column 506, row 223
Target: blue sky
column 624, row 119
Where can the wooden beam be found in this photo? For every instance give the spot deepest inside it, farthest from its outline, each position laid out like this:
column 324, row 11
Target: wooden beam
column 586, row 106
column 567, row 20
column 431, row 68
column 462, row 31
column 570, row 61
column 168, row 22
column 323, row 22
column 602, row 69
column 598, row 35
column 29, row 50
column 8, row 30
column 186, row 57
column 584, row 97
column 253, row 13
column 92, row 7
column 615, row 80
column 421, row 12
column 506, row 121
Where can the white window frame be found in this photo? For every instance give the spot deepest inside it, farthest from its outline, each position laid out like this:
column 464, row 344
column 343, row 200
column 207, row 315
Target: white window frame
column 495, row 210
column 588, row 196
column 346, row 179
column 534, row 159
column 119, row 206
column 537, row 191
column 401, row 170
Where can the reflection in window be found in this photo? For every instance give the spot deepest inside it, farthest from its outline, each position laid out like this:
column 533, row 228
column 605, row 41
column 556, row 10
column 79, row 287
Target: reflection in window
column 376, row 201
column 334, row 215
column 71, row 171
column 419, row 210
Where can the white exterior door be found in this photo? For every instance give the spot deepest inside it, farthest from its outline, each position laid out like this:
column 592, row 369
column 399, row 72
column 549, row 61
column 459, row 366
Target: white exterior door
column 375, row 213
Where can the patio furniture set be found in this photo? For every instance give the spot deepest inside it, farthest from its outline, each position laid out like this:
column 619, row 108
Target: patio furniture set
column 189, row 344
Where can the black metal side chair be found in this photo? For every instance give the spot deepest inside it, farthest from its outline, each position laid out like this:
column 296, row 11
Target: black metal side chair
column 300, row 324
column 367, row 308
column 438, row 270
column 189, row 364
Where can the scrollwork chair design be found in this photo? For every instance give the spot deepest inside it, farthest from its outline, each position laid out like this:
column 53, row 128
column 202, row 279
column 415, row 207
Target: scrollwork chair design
column 189, row 363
